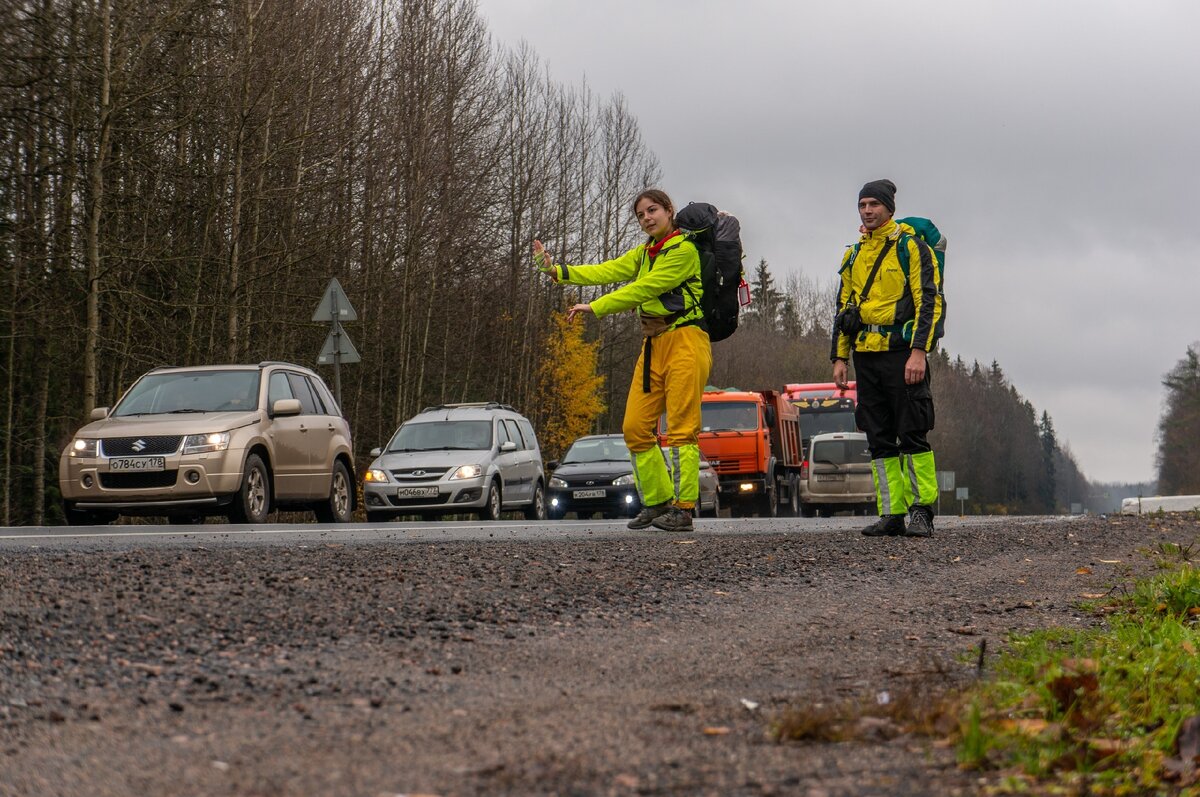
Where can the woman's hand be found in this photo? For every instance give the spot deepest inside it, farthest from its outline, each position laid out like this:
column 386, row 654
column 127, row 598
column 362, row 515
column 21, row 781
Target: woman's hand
column 579, row 309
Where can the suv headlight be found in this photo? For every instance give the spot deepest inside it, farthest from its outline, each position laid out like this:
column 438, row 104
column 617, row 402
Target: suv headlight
column 557, row 483
column 376, row 476
column 467, row 472
column 622, row 481
column 83, row 447
column 203, row 443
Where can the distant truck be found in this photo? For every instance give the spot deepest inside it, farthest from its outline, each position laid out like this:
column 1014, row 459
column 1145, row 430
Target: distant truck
column 823, row 408
column 752, row 440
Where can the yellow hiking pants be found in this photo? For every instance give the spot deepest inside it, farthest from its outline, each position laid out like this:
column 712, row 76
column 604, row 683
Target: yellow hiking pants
column 680, row 360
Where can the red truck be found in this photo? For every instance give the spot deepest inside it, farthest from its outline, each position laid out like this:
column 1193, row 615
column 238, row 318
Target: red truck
column 752, row 440
column 824, row 407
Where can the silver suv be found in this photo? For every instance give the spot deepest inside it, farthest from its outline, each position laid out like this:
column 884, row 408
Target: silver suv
column 235, row 440
column 481, row 458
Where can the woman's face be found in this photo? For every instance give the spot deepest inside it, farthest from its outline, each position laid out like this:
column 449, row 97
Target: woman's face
column 655, row 219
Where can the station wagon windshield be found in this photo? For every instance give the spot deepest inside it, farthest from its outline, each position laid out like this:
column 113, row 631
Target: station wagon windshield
column 841, row 452
column 191, row 391
column 611, row 450
column 443, row 436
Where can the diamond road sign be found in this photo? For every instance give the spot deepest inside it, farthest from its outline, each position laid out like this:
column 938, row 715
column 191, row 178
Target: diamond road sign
column 335, row 306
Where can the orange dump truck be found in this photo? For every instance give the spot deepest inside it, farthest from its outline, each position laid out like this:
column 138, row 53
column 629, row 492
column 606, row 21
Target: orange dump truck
column 752, row 440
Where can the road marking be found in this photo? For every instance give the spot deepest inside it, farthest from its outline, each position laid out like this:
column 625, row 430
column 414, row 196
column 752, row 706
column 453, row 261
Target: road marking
column 69, row 535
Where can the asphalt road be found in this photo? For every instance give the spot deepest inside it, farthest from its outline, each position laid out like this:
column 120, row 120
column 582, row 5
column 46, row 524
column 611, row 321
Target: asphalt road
column 145, row 535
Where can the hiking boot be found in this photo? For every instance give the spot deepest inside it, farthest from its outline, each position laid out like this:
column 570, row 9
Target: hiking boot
column 886, row 526
column 643, row 519
column 920, row 522
column 674, row 519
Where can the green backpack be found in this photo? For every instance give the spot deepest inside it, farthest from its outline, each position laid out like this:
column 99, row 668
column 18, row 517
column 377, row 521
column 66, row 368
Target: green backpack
column 927, row 233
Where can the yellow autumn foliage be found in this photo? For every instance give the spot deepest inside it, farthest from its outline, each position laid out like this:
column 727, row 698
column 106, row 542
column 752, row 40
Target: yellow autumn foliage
column 569, row 387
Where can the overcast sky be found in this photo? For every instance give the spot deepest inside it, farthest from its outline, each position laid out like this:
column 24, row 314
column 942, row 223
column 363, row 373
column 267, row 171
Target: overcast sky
column 1054, row 143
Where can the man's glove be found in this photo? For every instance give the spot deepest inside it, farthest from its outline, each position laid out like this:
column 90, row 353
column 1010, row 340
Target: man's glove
column 542, row 261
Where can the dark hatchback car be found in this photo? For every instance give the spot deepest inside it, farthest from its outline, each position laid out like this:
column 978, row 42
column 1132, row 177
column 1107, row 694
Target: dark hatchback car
column 595, row 477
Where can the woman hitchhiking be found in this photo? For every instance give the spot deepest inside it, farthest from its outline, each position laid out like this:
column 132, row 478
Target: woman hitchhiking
column 663, row 276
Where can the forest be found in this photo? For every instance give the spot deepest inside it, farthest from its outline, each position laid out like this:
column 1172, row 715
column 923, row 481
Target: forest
column 180, row 179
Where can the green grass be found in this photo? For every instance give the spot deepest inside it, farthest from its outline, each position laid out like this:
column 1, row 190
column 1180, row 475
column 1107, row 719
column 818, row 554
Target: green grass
column 1096, row 711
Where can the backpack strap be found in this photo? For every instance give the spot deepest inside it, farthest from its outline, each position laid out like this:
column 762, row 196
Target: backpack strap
column 862, row 297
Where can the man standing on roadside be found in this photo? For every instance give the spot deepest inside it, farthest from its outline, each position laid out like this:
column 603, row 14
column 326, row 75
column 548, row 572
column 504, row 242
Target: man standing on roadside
column 890, row 317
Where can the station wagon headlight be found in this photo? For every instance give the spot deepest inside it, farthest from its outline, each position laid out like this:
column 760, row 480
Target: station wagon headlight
column 375, row 476
column 622, row 481
column 557, row 483
column 203, row 443
column 467, row 472
column 83, row 447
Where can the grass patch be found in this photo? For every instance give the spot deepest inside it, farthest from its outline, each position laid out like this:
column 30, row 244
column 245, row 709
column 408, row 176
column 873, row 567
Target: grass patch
column 1097, row 711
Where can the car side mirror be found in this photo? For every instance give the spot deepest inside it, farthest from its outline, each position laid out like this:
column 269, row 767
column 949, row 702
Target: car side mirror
column 375, row 452
column 508, row 445
column 553, row 464
column 98, row 414
column 285, row 407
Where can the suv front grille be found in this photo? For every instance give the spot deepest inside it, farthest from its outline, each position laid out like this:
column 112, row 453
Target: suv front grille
column 419, row 474
column 138, row 481
column 140, row 446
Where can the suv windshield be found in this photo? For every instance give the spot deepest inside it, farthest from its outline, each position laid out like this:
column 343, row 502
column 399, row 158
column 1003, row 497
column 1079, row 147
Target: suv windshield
column 611, row 450
column 443, row 436
column 191, row 391
column 841, row 452
column 717, row 416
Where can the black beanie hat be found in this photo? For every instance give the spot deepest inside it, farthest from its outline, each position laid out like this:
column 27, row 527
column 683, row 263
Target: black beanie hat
column 883, row 190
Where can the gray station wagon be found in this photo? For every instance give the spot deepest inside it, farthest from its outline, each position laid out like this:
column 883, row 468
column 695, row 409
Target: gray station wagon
column 478, row 458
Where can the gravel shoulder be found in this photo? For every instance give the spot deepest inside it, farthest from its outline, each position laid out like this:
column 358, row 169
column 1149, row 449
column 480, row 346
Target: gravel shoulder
column 607, row 666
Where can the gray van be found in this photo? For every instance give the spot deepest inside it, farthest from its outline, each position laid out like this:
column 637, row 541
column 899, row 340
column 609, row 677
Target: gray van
column 837, row 475
column 480, row 458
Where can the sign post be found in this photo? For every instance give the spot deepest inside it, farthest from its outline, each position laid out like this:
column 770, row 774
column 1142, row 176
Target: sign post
column 962, row 495
column 945, row 480
column 336, row 308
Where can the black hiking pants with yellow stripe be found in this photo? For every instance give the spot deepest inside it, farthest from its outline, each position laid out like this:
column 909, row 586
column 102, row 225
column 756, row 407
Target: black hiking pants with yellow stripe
column 897, row 418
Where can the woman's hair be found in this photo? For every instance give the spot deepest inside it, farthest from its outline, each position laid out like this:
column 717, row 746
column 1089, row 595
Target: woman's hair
column 654, row 195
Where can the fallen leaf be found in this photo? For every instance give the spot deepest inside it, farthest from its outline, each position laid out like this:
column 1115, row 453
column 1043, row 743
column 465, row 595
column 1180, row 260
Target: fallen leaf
column 966, row 630
column 1026, row 727
column 1110, row 561
column 1083, row 571
column 1081, row 665
column 1188, row 647
column 716, row 730
column 719, row 592
column 956, row 559
column 1092, row 595
column 1107, row 747
column 1195, row 610
column 683, row 542
column 749, row 704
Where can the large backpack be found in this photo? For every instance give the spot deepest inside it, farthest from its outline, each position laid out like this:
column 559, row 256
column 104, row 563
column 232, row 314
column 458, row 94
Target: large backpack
column 927, row 232
column 717, row 237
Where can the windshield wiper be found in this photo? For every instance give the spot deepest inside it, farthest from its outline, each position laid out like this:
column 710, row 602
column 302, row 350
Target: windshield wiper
column 185, row 410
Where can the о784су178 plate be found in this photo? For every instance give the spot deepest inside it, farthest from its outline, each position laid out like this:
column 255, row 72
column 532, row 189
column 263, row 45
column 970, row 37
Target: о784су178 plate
column 137, row 463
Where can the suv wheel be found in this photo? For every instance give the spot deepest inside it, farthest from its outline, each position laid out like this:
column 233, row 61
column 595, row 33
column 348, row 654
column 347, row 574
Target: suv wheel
column 537, row 510
column 339, row 507
column 492, row 506
column 252, row 503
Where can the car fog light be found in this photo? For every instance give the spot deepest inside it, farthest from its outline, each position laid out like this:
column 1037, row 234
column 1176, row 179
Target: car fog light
column 553, row 502
column 746, row 487
column 629, row 499
column 192, row 476
column 87, row 480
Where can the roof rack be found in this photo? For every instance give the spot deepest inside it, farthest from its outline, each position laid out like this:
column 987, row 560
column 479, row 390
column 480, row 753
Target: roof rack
column 471, row 405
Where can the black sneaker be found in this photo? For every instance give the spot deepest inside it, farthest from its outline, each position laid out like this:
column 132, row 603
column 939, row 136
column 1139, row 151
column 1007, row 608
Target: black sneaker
column 674, row 519
column 643, row 519
column 886, row 526
column 920, row 522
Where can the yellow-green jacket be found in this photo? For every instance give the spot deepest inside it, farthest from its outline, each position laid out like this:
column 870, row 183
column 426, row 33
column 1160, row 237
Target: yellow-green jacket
column 899, row 313
column 669, row 286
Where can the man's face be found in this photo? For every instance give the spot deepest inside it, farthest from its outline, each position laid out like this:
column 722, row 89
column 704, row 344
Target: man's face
column 874, row 214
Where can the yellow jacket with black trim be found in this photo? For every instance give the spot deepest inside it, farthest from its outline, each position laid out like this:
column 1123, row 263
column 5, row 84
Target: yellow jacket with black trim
column 668, row 286
column 899, row 313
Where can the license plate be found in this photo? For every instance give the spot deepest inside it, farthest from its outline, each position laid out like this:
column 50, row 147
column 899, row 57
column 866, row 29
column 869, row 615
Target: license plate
column 829, row 477
column 417, row 492
column 137, row 464
column 588, row 494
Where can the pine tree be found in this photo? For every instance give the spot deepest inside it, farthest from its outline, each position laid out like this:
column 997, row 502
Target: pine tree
column 1179, row 428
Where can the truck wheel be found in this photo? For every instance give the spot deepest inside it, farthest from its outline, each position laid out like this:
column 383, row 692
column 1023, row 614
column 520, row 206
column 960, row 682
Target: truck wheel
column 794, row 497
